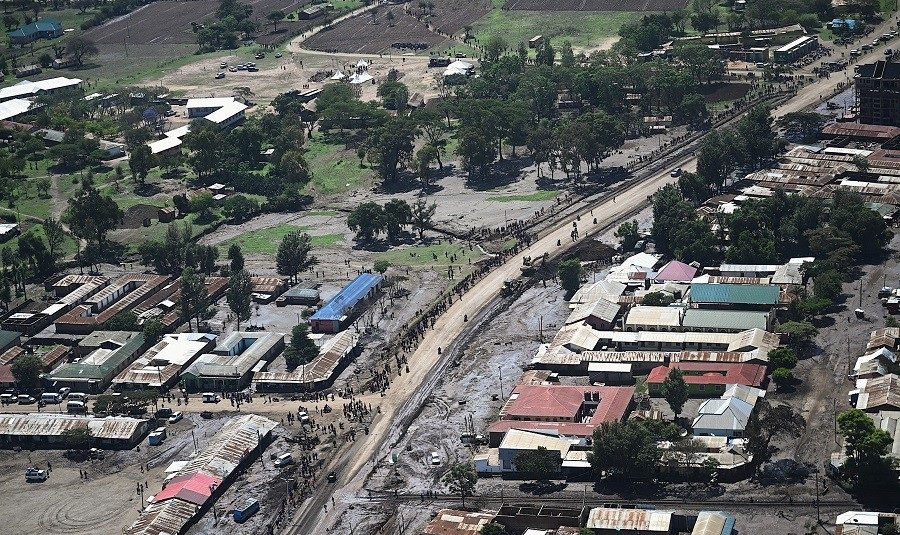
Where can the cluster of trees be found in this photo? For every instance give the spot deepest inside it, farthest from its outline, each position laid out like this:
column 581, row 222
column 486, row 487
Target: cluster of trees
column 570, row 274
column 782, row 360
column 37, row 252
column 369, row 219
column 235, row 158
column 708, row 15
column 134, row 403
column 840, row 234
column 868, row 465
column 90, row 216
column 178, row 250
column 232, row 19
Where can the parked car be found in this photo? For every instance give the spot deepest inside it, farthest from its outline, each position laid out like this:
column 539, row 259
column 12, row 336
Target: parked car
column 223, row 64
column 676, row 172
column 207, row 415
column 888, row 52
column 220, row 75
column 25, row 399
column 260, row 55
column 252, row 69
column 176, row 417
column 164, row 412
column 232, row 69
column 64, row 392
column 278, row 54
column 34, row 474
column 169, row 113
column 332, row 477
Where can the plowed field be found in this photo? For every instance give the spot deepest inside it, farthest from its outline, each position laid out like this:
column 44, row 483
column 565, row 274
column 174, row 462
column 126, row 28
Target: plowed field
column 595, row 5
column 167, row 22
column 361, row 35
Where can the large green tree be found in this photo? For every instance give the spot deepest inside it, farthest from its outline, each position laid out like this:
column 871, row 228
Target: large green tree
column 293, row 255
column 569, row 272
column 239, row 297
column 91, row 216
column 541, row 464
column 867, row 447
column 624, row 450
column 767, row 424
column 27, row 370
column 675, row 390
column 367, row 220
column 461, row 480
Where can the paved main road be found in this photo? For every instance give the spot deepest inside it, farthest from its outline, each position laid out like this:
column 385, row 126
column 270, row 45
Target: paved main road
column 405, row 392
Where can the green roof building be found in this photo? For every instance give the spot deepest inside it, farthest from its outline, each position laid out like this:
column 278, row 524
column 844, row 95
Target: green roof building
column 742, row 296
column 94, row 373
column 39, row 29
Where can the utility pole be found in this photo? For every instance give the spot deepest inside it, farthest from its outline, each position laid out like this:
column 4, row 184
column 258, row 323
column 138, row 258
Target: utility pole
column 500, row 369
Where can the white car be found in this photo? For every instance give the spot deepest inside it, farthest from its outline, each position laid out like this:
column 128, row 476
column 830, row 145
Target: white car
column 176, row 417
column 33, row 474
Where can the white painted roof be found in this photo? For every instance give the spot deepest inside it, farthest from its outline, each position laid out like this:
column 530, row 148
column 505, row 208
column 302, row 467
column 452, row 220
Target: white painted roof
column 208, row 102
column 164, row 144
column 226, row 112
column 11, row 108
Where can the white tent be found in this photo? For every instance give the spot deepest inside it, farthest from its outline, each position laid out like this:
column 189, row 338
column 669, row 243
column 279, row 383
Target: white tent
column 361, row 78
column 362, row 64
column 458, row 67
column 338, row 76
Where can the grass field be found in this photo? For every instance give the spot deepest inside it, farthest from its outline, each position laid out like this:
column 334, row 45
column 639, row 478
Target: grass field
column 425, row 255
column 334, row 169
column 584, row 30
column 265, row 241
column 526, row 197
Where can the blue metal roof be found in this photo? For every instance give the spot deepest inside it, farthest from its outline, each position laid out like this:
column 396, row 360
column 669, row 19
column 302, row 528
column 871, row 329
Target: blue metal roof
column 347, row 298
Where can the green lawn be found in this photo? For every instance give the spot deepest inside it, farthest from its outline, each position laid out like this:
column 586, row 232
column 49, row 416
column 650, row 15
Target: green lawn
column 334, row 169
column 266, row 240
column 425, row 255
column 541, row 195
column 584, row 30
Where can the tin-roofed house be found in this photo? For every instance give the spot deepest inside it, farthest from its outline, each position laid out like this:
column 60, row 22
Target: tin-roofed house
column 39, row 29
column 94, row 373
column 231, row 365
column 339, row 311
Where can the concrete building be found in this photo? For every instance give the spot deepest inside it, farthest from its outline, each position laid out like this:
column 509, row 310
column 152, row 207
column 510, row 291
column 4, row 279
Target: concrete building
column 736, row 296
column 518, row 518
column 39, row 29
column 653, row 318
column 235, row 359
column 94, row 373
column 713, row 523
column 340, row 309
column 722, row 417
column 572, row 411
column 878, row 93
column 161, row 366
column 26, row 88
column 124, row 293
column 334, row 354
column 45, row 430
column 877, row 394
column 705, row 379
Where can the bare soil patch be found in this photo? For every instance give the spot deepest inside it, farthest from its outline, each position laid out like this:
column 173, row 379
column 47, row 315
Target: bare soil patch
column 135, row 215
column 361, row 35
column 595, row 5
column 170, row 22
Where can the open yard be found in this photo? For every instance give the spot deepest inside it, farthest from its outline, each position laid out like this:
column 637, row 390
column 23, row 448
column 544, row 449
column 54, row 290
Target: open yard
column 370, row 34
column 583, row 30
column 266, row 240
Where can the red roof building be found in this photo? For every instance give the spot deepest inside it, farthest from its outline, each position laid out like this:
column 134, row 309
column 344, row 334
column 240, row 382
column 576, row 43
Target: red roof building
column 194, row 488
column 709, row 379
column 569, row 410
column 7, row 380
column 676, row 271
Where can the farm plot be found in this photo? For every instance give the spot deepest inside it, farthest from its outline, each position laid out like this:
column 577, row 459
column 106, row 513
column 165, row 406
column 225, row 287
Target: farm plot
column 360, row 35
column 451, row 16
column 595, row 5
column 162, row 23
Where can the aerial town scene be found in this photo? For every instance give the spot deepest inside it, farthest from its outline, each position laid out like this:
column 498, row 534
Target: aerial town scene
column 450, row 267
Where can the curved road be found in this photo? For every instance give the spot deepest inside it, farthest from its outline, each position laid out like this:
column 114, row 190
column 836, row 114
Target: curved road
column 312, row 516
